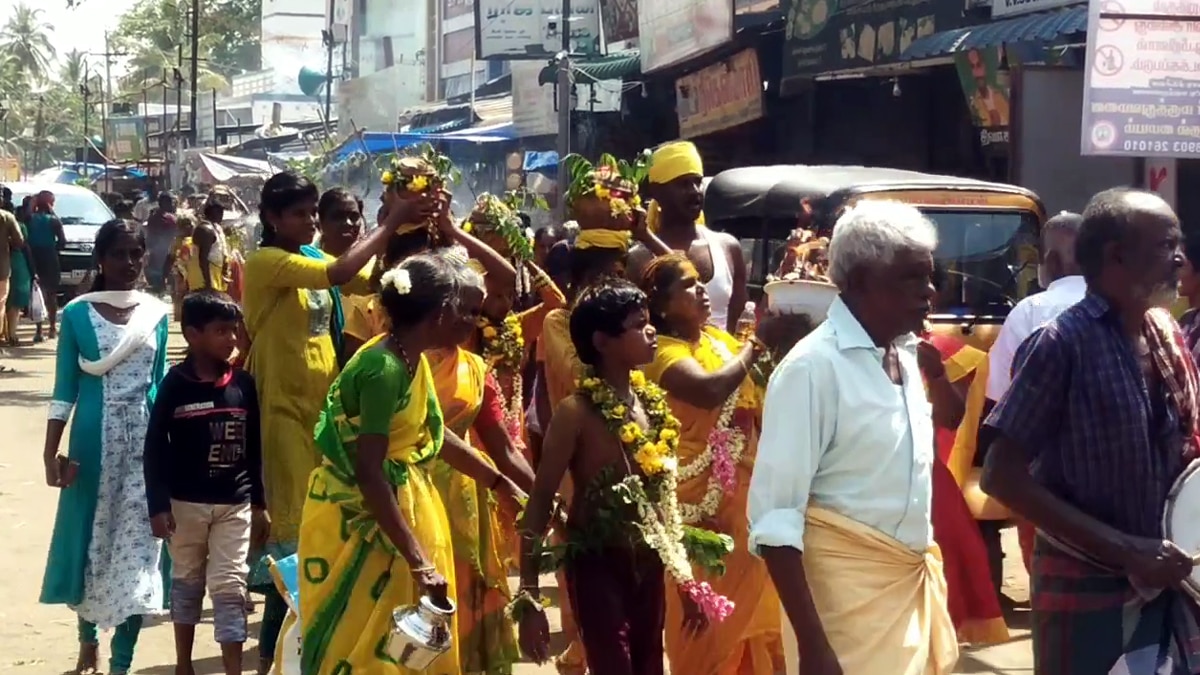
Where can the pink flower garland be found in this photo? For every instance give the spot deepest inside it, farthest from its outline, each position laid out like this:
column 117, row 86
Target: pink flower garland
column 714, row 605
column 723, row 470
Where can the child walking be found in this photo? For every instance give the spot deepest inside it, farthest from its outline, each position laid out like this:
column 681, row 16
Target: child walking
column 617, row 438
column 204, row 478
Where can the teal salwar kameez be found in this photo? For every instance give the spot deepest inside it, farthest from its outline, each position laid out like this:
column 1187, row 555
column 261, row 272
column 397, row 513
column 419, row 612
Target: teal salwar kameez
column 103, row 561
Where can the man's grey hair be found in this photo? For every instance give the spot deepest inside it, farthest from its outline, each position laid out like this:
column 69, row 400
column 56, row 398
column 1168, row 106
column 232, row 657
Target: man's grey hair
column 874, row 231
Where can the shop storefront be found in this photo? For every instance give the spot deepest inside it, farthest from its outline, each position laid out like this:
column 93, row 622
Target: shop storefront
column 843, row 73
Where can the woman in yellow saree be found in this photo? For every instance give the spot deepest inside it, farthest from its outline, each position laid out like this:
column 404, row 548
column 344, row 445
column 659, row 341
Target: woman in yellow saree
column 704, row 371
column 374, row 534
column 486, row 635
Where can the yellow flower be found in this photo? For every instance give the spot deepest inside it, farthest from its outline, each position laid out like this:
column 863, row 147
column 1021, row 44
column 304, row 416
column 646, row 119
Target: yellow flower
column 648, row 459
column 590, row 382
column 388, row 177
column 617, row 411
column 602, row 192
column 663, row 448
column 418, row 184
column 467, row 226
column 629, row 432
column 489, row 333
column 668, row 435
column 636, row 201
column 637, row 378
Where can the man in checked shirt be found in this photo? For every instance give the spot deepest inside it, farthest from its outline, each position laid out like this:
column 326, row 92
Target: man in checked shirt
column 1099, row 421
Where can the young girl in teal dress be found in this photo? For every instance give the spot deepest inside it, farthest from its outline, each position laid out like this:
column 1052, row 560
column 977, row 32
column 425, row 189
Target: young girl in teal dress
column 104, row 563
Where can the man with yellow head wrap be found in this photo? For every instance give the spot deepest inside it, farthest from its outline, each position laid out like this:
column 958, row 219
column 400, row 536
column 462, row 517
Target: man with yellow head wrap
column 676, row 216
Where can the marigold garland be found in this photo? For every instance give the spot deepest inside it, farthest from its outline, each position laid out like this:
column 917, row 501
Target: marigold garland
column 503, row 348
column 653, row 494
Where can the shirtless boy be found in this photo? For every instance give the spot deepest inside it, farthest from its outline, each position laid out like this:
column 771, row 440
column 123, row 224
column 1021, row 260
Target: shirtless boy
column 615, row 581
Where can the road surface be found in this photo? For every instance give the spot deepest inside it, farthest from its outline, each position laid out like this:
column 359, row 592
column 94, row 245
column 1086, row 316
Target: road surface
column 41, row 640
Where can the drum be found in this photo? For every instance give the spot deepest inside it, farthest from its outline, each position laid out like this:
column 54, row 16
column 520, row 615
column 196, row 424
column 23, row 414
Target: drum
column 1181, row 519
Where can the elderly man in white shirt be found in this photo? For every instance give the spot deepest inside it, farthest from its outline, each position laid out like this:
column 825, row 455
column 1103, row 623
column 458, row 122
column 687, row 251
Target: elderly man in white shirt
column 1060, row 276
column 1064, row 285
column 840, row 497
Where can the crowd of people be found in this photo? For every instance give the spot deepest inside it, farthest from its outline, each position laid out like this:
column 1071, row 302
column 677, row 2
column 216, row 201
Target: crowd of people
column 417, row 410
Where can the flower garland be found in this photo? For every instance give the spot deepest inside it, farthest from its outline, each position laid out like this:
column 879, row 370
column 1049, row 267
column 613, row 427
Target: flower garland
column 610, row 179
column 653, row 495
column 493, row 215
column 726, row 443
column 504, row 349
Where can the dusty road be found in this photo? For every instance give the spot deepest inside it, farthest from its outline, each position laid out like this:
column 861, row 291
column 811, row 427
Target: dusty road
column 41, row 640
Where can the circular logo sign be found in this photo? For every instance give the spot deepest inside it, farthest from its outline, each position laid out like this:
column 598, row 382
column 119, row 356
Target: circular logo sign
column 1104, row 135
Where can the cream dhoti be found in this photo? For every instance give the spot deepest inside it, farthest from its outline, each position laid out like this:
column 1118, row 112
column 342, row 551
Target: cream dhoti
column 882, row 604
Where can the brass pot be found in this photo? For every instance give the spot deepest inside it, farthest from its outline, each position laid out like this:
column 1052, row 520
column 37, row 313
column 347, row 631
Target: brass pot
column 420, row 633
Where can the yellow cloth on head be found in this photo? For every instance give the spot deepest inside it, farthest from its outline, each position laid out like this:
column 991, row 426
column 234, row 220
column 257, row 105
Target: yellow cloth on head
column 882, row 604
column 619, row 239
column 673, row 160
column 748, row 642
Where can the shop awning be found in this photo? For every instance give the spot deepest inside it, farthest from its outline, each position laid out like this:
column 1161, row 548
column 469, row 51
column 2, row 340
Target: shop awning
column 1040, row 27
column 615, row 66
column 378, row 142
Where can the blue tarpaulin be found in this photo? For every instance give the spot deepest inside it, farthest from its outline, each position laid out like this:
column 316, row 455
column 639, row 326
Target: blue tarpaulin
column 378, row 142
column 543, row 162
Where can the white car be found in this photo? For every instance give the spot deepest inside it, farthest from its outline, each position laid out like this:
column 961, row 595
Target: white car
column 82, row 212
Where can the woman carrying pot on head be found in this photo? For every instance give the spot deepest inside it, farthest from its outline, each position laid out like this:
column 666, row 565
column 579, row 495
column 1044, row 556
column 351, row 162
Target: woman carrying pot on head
column 292, row 307
column 706, row 373
column 104, row 561
column 373, row 515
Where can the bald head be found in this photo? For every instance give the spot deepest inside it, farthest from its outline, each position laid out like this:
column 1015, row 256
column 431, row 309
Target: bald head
column 1120, row 217
column 1058, row 247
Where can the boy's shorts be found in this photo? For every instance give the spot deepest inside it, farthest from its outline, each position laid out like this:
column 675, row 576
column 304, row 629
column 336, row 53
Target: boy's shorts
column 209, row 549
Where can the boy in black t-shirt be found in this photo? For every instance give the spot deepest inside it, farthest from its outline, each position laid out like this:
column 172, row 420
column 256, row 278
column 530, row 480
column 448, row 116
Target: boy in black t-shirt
column 204, row 481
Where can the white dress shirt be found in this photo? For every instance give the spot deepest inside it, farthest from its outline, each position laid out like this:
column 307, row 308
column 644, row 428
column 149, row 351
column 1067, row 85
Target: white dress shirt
column 837, row 432
column 1029, row 315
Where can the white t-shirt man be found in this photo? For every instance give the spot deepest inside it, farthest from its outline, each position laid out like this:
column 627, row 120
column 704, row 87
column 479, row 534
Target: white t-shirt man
column 1029, row 315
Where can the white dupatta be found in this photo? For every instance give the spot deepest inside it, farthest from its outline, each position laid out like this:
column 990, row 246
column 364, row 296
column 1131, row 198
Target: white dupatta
column 141, row 329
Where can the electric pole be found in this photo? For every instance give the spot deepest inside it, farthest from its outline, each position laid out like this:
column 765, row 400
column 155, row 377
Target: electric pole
column 329, row 42
column 195, row 37
column 106, row 96
column 39, row 133
column 564, row 109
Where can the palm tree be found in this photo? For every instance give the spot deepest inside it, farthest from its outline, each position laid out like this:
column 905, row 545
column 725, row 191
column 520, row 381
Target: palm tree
column 26, row 37
column 73, row 69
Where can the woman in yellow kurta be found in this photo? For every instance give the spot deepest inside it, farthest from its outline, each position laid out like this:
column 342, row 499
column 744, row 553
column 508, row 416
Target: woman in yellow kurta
column 704, row 371
column 208, row 265
column 291, row 315
column 375, row 535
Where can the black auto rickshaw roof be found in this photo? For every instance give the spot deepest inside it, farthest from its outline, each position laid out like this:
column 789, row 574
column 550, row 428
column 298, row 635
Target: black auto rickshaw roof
column 776, row 191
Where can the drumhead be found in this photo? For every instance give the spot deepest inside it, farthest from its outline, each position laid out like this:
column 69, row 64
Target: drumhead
column 1181, row 519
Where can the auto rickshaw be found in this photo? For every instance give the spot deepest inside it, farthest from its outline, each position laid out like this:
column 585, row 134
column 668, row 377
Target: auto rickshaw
column 986, row 259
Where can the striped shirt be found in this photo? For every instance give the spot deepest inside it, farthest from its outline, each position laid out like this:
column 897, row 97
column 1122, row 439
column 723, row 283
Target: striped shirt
column 1098, row 437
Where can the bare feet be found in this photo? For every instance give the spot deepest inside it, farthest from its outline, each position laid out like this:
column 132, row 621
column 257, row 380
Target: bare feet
column 89, row 659
column 264, row 665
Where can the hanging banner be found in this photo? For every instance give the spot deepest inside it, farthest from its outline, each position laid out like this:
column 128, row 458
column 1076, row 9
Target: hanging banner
column 126, row 139
column 824, row 36
column 620, row 19
column 509, row 30
column 986, row 86
column 673, row 31
column 1139, row 96
column 720, row 96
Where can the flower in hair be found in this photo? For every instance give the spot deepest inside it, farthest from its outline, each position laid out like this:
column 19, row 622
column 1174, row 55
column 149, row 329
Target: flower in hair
column 398, row 279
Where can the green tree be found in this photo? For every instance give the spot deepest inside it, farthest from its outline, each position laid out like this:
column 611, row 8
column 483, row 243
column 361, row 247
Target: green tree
column 152, row 31
column 26, row 37
column 72, row 69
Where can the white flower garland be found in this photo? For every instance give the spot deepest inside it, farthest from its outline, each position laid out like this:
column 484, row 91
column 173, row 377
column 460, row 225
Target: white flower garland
column 723, row 432
column 661, row 524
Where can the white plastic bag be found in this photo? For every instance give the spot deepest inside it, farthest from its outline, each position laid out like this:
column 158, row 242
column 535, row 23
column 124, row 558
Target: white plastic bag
column 37, row 304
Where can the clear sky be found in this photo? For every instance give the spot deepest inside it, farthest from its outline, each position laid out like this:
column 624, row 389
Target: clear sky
column 79, row 28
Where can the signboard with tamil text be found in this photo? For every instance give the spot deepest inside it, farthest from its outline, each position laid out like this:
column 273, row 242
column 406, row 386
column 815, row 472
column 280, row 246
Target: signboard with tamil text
column 1003, row 8
column 720, row 96
column 673, row 31
column 830, row 35
column 530, row 29
column 1141, row 94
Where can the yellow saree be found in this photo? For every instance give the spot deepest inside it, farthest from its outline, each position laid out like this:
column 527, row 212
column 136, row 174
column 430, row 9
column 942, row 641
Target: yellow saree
column 486, row 636
column 352, row 576
column 749, row 641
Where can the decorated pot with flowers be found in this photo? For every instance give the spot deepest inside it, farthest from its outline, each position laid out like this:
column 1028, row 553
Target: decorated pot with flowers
column 494, row 222
column 604, row 195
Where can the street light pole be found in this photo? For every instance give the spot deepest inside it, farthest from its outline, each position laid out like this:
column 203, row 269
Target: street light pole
column 564, row 109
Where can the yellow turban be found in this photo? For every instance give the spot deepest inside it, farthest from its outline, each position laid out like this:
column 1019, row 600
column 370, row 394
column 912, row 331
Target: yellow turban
column 618, row 239
column 673, row 160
